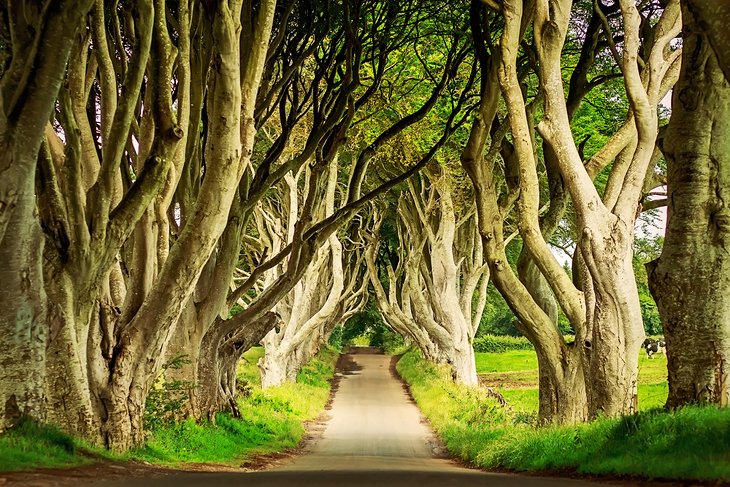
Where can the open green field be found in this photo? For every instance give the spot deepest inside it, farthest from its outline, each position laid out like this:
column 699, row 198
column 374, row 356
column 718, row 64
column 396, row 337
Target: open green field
column 271, row 421
column 514, row 375
column 691, row 443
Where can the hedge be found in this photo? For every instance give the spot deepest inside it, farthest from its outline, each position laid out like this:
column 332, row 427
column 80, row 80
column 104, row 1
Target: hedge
column 500, row 343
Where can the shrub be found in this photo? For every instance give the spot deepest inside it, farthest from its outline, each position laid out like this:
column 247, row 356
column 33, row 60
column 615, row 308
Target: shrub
column 167, row 400
column 497, row 344
column 336, row 337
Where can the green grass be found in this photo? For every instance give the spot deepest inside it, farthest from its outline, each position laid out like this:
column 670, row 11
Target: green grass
column 29, row 445
column 271, row 421
column 517, row 360
column 691, row 443
column 247, row 369
column 514, row 375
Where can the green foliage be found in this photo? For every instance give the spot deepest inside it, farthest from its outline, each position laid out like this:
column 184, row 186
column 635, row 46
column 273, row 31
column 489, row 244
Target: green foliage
column 367, row 328
column 647, row 249
column 336, row 337
column 271, row 420
column 385, row 338
column 167, row 400
column 691, row 443
column 30, row 444
column 494, row 343
column 367, row 322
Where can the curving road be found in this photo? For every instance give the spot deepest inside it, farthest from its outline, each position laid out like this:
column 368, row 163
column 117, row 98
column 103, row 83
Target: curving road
column 375, row 437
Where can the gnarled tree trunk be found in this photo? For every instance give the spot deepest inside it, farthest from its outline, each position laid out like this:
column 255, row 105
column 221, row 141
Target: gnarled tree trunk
column 691, row 279
column 217, row 365
column 40, row 40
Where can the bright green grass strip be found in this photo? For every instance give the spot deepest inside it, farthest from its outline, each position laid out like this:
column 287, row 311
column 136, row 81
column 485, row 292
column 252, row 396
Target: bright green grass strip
column 271, row 420
column 29, row 445
column 514, row 375
column 513, row 360
column 691, row 443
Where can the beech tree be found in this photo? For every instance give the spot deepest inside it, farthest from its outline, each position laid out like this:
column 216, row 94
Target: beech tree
column 301, row 315
column 438, row 274
column 602, row 306
column 691, row 279
column 207, row 334
column 36, row 44
column 111, row 168
column 189, row 178
column 338, row 94
column 325, row 294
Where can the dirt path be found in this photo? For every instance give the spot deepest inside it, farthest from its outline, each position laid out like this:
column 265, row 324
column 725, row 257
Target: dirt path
column 375, row 436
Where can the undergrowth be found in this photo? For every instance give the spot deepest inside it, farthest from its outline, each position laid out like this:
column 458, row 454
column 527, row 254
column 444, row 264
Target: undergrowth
column 691, row 443
column 271, row 421
column 30, row 444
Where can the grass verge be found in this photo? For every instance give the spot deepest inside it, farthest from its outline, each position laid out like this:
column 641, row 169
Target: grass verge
column 692, row 443
column 271, row 421
column 30, row 445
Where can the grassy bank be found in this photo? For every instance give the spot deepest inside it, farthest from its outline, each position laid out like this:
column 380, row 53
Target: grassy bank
column 692, row 443
column 30, row 445
column 271, row 421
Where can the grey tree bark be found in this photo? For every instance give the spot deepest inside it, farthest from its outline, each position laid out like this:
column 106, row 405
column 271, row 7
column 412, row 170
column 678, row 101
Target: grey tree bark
column 41, row 38
column 691, row 279
column 605, row 311
column 439, row 272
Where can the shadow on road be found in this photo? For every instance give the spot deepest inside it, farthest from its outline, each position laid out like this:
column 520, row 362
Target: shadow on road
column 357, row 478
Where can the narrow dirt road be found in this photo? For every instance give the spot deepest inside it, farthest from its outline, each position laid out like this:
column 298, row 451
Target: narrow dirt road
column 375, row 437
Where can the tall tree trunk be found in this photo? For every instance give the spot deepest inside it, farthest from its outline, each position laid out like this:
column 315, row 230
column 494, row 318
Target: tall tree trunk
column 187, row 342
column 562, row 398
column 608, row 321
column 40, row 42
column 218, row 361
column 312, row 302
column 69, row 400
column 615, row 326
column 464, row 361
column 140, row 351
column 691, row 279
column 23, row 329
column 562, row 392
